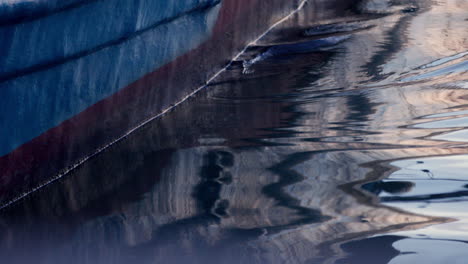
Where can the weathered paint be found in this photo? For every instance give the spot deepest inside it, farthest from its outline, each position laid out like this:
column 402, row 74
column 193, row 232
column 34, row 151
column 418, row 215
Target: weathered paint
column 54, row 116
column 47, row 97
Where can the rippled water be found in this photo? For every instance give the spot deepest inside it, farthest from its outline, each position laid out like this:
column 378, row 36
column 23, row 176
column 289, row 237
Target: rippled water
column 344, row 142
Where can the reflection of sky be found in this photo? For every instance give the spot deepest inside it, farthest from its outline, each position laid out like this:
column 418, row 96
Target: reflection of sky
column 433, row 176
column 457, row 68
column 430, row 251
column 449, row 167
column 456, row 113
column 456, row 122
column 457, row 119
column 444, row 177
column 445, row 60
column 458, row 136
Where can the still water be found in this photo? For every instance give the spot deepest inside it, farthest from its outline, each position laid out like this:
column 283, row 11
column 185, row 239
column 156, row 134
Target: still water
column 344, row 141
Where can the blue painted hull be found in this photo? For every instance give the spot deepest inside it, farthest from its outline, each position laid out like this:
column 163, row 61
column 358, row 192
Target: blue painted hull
column 75, row 79
column 86, row 56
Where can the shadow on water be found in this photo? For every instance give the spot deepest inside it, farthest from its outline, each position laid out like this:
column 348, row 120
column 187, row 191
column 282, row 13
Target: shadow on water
column 337, row 140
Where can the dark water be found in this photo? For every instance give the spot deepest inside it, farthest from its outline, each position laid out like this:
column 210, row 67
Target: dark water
column 344, row 142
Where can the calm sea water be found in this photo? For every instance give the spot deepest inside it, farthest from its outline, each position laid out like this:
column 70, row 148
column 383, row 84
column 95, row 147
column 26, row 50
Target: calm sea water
column 344, row 142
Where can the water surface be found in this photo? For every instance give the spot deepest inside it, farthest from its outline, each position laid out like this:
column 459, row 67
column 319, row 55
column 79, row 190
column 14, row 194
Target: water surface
column 334, row 139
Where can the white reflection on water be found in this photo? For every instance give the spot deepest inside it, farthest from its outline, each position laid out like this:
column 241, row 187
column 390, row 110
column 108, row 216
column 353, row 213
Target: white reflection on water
column 441, row 190
column 429, row 251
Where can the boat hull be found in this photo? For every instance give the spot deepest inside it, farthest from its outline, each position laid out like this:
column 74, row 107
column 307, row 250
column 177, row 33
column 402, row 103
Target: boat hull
column 53, row 117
